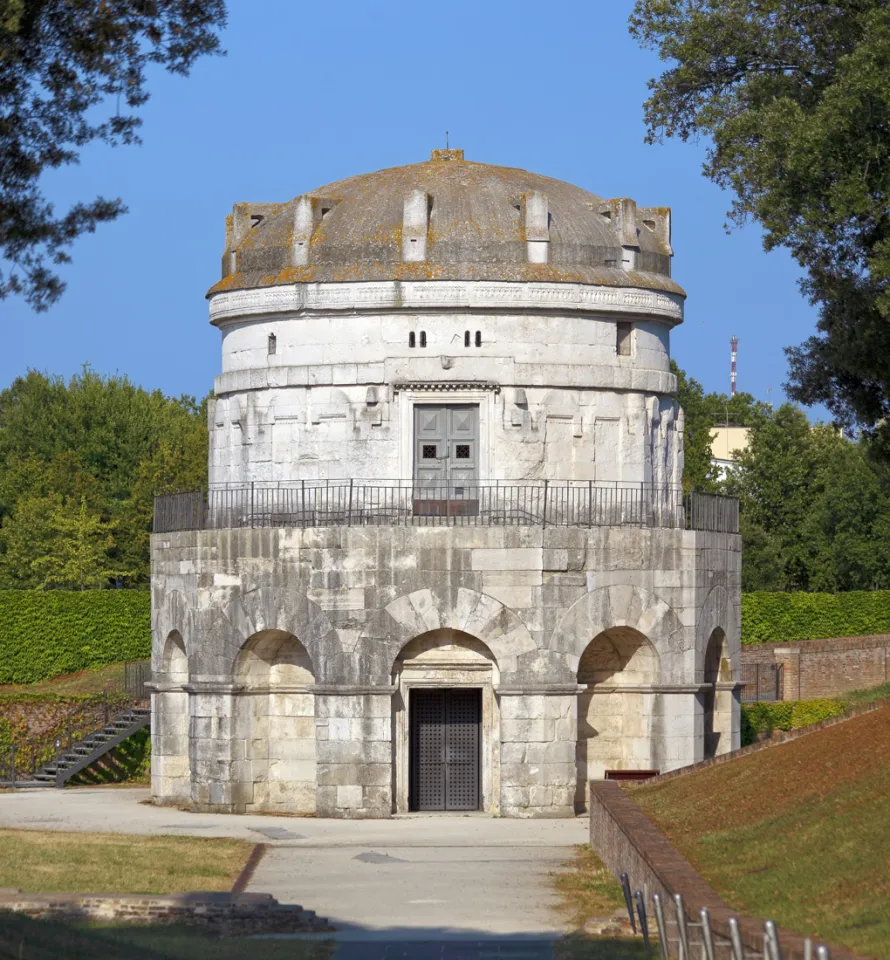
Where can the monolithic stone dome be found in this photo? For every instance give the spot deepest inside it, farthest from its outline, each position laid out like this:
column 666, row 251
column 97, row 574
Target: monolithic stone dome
column 448, row 219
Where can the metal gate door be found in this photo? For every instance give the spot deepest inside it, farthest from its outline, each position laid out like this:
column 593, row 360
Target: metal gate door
column 444, row 749
column 446, row 459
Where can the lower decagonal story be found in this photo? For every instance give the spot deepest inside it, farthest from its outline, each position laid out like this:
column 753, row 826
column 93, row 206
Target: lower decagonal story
column 366, row 671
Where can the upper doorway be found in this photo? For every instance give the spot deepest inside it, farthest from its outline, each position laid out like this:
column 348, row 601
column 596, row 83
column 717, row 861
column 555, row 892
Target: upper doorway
column 446, row 458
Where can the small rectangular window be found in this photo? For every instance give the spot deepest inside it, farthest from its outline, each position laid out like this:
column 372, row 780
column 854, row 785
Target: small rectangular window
column 624, row 342
column 423, row 338
column 466, row 338
column 429, row 451
column 272, row 344
column 478, row 338
column 411, row 340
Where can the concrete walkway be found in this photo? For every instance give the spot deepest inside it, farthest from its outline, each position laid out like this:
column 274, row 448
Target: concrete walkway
column 393, row 888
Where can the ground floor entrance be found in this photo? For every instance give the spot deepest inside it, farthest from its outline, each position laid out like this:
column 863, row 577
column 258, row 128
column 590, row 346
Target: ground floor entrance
column 445, row 749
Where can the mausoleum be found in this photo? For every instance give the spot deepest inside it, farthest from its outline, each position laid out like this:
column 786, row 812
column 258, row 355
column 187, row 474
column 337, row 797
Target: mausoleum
column 445, row 560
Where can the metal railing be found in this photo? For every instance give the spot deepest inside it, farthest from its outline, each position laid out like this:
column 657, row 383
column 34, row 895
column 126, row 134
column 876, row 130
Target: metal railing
column 410, row 502
column 761, row 681
column 676, row 935
column 136, row 674
column 22, row 758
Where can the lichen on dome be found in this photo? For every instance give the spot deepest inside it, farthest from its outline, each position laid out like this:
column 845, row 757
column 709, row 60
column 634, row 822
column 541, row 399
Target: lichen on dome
column 476, row 228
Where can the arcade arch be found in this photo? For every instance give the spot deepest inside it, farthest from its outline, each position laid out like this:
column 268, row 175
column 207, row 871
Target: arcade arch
column 275, row 721
column 618, row 672
column 444, row 707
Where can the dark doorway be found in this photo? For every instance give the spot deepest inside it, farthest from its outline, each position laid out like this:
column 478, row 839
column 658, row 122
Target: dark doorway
column 444, row 751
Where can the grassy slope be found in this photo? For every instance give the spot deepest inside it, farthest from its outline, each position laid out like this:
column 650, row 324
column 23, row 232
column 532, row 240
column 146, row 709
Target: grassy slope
column 799, row 833
column 38, row 861
column 83, row 683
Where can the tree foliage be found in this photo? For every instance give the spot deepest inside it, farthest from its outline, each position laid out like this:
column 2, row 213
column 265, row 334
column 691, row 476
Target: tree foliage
column 815, row 508
column 794, row 96
column 80, row 463
column 66, row 69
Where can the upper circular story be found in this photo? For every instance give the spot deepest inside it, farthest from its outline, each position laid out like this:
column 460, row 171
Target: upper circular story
column 449, row 219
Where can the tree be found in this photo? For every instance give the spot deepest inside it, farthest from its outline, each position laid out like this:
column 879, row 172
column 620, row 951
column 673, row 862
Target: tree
column 101, row 441
column 81, row 543
column 815, row 508
column 62, row 65
column 795, row 98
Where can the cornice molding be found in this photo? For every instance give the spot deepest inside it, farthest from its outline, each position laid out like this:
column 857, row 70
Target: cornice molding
column 444, row 295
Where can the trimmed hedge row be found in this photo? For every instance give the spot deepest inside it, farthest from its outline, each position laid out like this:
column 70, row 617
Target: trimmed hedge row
column 763, row 718
column 781, row 617
column 47, row 633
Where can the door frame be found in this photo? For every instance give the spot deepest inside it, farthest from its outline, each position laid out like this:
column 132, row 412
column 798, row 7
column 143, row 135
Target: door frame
column 450, row 675
column 435, row 395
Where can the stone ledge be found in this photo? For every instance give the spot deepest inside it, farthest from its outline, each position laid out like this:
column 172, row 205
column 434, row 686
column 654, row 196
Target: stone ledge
column 225, row 913
column 628, row 842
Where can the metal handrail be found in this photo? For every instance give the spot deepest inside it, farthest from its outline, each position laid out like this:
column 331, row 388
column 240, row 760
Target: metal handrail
column 314, row 503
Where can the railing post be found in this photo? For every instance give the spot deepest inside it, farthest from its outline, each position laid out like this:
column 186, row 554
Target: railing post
column 349, row 511
column 590, row 503
column 12, row 762
column 303, row 502
column 546, row 488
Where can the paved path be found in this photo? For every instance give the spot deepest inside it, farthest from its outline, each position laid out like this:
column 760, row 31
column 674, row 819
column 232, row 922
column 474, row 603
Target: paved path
column 423, row 886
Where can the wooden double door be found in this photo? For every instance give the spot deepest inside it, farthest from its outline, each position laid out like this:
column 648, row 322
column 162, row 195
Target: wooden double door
column 445, row 749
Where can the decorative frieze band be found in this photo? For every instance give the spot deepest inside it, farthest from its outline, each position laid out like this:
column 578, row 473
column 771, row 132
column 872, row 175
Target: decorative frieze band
column 445, row 294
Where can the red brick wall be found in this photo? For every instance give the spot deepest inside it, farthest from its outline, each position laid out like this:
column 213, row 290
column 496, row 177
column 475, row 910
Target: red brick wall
column 826, row 668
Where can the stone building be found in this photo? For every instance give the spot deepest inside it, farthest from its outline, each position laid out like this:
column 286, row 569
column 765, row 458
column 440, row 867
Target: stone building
column 444, row 560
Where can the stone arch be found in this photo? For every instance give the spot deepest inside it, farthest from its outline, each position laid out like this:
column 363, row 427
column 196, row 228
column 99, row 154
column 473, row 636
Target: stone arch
column 622, row 605
column 717, row 701
column 170, row 766
column 279, row 604
column 273, row 658
column 618, row 673
column 445, row 650
column 464, row 610
column 174, row 666
column 446, row 658
column 275, row 721
column 715, row 614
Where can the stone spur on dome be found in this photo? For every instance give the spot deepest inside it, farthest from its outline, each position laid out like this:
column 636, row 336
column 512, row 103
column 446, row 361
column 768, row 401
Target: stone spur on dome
column 445, row 559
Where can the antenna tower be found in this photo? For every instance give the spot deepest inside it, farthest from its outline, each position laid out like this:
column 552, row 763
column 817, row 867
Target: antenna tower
column 733, row 353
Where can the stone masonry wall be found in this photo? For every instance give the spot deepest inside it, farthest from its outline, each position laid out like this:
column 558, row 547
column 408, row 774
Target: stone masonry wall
column 351, row 598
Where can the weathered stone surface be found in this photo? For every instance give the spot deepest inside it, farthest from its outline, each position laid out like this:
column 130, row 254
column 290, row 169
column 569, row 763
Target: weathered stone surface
column 287, row 648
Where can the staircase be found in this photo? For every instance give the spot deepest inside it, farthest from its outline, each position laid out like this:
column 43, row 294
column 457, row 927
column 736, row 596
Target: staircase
column 84, row 752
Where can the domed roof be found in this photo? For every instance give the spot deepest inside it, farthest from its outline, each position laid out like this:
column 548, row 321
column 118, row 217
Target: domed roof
column 448, row 219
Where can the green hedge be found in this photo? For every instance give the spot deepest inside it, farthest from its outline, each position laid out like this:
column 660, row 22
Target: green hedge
column 781, row 617
column 759, row 718
column 47, row 633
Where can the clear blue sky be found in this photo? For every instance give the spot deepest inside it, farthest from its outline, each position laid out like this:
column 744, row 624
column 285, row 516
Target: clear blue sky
column 311, row 93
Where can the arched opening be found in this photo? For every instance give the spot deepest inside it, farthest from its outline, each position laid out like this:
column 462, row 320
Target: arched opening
column 717, row 703
column 170, row 770
column 618, row 671
column 445, row 724
column 275, row 720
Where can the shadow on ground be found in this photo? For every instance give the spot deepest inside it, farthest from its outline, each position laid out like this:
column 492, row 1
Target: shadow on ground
column 49, row 940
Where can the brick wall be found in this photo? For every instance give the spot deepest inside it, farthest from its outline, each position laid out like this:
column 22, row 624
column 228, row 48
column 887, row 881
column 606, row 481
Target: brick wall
column 826, row 668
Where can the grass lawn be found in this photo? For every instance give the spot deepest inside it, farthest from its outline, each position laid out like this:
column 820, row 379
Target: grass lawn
column 799, row 834
column 587, row 889
column 38, row 861
column 83, row 683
